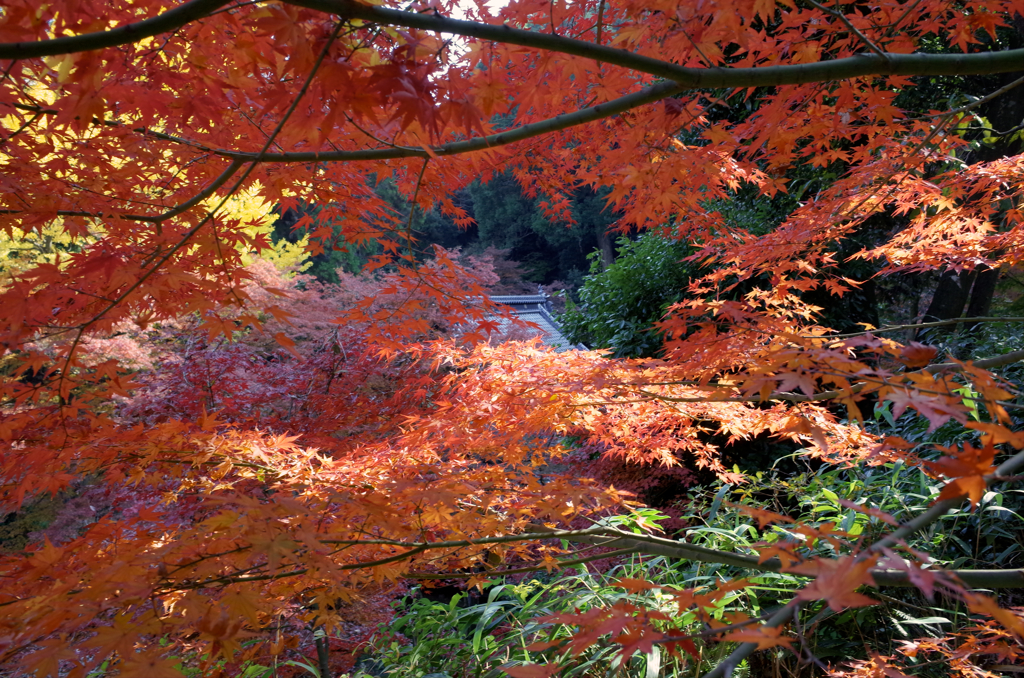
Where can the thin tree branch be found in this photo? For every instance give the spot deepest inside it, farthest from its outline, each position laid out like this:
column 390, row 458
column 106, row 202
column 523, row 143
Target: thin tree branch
column 980, row 63
column 205, row 220
column 910, row 8
column 914, row 326
column 520, row 570
column 380, row 141
column 838, row 69
column 24, row 126
column 608, row 109
column 983, row 100
column 115, row 123
column 727, row 665
column 985, row 363
column 232, row 8
column 853, row 29
column 937, row 510
column 162, row 23
column 559, row 122
column 230, row 579
column 614, row 107
column 7, row 71
column 409, row 237
column 994, row 579
column 538, row 533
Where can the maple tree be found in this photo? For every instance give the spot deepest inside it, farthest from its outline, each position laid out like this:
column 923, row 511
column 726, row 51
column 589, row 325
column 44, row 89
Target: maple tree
column 285, row 450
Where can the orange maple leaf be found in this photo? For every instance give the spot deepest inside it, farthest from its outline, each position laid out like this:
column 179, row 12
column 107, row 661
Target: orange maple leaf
column 149, row 664
column 836, row 581
column 996, row 434
column 763, row 517
column 867, row 510
column 635, row 585
column 764, row 636
column 982, row 604
column 915, row 355
column 532, row 670
column 967, row 467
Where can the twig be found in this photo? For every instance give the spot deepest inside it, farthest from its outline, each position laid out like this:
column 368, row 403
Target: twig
column 913, row 326
column 974, row 104
column 922, row 521
column 409, row 238
column 232, row 168
column 903, row 16
column 853, row 29
column 520, row 570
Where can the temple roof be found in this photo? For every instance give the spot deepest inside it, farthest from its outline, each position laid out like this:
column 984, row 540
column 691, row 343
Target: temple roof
column 536, row 309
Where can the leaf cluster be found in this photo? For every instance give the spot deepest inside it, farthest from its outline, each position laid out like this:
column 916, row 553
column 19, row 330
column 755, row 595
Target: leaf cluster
column 620, row 304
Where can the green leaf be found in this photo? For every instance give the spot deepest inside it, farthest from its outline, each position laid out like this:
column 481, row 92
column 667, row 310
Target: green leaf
column 717, row 502
column 654, row 662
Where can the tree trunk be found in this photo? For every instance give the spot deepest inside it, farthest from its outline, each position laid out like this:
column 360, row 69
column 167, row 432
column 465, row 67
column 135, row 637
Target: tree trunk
column 604, row 241
column 980, row 305
column 323, row 656
column 951, row 295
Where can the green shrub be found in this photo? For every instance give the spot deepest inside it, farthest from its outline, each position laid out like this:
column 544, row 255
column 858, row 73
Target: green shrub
column 619, row 305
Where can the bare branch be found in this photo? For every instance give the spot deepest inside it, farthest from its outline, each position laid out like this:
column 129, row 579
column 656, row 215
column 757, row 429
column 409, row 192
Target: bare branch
column 990, row 579
column 917, row 326
column 162, row 23
column 1005, row 61
column 625, row 103
column 940, row 509
column 838, row 69
column 727, row 665
column 978, row 102
column 559, row 122
column 210, row 214
column 937, row 510
column 984, row 363
column 853, row 29
column 520, row 570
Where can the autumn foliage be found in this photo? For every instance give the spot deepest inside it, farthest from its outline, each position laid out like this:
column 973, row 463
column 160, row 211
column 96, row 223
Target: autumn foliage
column 271, row 449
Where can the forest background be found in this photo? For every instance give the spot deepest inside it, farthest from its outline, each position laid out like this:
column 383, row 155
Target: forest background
column 253, row 386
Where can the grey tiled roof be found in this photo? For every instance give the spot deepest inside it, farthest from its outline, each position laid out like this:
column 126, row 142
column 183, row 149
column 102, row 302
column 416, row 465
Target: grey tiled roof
column 517, row 300
column 536, row 309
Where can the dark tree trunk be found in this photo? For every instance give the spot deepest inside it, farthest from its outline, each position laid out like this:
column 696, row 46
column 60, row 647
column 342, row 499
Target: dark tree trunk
column 951, row 295
column 868, row 290
column 323, row 656
column 980, row 305
column 604, row 241
column 915, row 309
column 982, row 292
